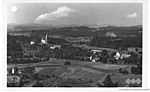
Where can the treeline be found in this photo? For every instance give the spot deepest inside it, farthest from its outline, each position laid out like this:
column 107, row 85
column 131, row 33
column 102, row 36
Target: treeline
column 26, row 60
column 13, row 47
column 86, row 31
column 119, row 42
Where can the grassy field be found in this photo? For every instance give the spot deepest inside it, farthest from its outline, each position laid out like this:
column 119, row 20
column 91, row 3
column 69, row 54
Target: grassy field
column 85, row 73
column 95, row 71
column 107, row 68
column 50, row 71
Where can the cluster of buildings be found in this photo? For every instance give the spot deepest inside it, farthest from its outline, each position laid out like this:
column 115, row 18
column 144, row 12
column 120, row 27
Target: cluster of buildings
column 118, row 55
column 112, row 53
column 34, row 48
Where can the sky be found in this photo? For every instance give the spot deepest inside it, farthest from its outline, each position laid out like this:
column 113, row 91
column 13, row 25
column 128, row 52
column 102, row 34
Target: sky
column 119, row 14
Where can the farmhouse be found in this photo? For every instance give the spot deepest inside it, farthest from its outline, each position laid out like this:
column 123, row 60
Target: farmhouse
column 55, row 46
column 32, row 42
column 110, row 34
column 121, row 55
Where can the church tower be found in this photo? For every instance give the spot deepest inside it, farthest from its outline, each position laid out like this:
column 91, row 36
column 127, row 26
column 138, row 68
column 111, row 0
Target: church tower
column 44, row 40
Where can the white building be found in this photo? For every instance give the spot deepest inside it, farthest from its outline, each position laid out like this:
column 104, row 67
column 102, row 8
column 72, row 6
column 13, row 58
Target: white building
column 121, row 56
column 117, row 56
column 44, row 40
column 125, row 55
column 95, row 59
column 32, row 42
column 55, row 46
column 110, row 34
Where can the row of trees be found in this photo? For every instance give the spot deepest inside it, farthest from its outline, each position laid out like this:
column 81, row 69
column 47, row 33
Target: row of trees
column 110, row 42
column 26, row 60
column 13, row 47
column 136, row 70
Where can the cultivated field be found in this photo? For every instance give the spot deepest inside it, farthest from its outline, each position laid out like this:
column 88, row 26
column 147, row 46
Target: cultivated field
column 86, row 71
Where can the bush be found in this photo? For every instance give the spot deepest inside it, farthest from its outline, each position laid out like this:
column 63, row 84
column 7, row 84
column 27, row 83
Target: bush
column 29, row 70
column 136, row 70
column 108, row 82
column 36, row 76
column 67, row 63
column 120, row 70
column 38, row 84
column 125, row 72
column 139, row 69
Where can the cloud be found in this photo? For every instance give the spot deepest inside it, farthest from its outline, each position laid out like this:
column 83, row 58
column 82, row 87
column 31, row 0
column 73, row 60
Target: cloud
column 59, row 13
column 133, row 15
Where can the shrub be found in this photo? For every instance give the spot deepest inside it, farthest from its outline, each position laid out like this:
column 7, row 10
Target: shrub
column 38, row 84
column 67, row 63
column 108, row 82
column 120, row 70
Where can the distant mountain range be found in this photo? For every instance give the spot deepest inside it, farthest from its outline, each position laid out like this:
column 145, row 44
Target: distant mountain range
column 26, row 27
column 86, row 31
column 32, row 26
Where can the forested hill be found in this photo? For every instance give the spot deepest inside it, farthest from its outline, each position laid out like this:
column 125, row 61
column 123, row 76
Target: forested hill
column 86, row 31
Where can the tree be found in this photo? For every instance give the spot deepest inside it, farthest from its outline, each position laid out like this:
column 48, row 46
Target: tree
column 139, row 69
column 104, row 52
column 38, row 84
column 113, row 53
column 136, row 70
column 67, row 63
column 120, row 70
column 13, row 47
column 115, row 84
column 104, row 56
column 133, row 70
column 36, row 76
column 104, row 60
column 108, row 82
column 125, row 72
column 136, row 49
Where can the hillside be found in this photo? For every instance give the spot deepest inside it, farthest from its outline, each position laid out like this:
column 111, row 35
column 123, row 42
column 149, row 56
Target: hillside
column 26, row 27
column 38, row 29
column 86, row 31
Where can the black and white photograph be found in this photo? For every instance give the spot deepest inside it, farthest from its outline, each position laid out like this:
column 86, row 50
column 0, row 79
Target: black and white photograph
column 74, row 45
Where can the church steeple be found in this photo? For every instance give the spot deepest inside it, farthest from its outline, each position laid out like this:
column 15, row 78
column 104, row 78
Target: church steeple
column 44, row 39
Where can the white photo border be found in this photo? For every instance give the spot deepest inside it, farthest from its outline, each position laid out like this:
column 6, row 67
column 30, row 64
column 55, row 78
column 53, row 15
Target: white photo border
column 146, row 52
